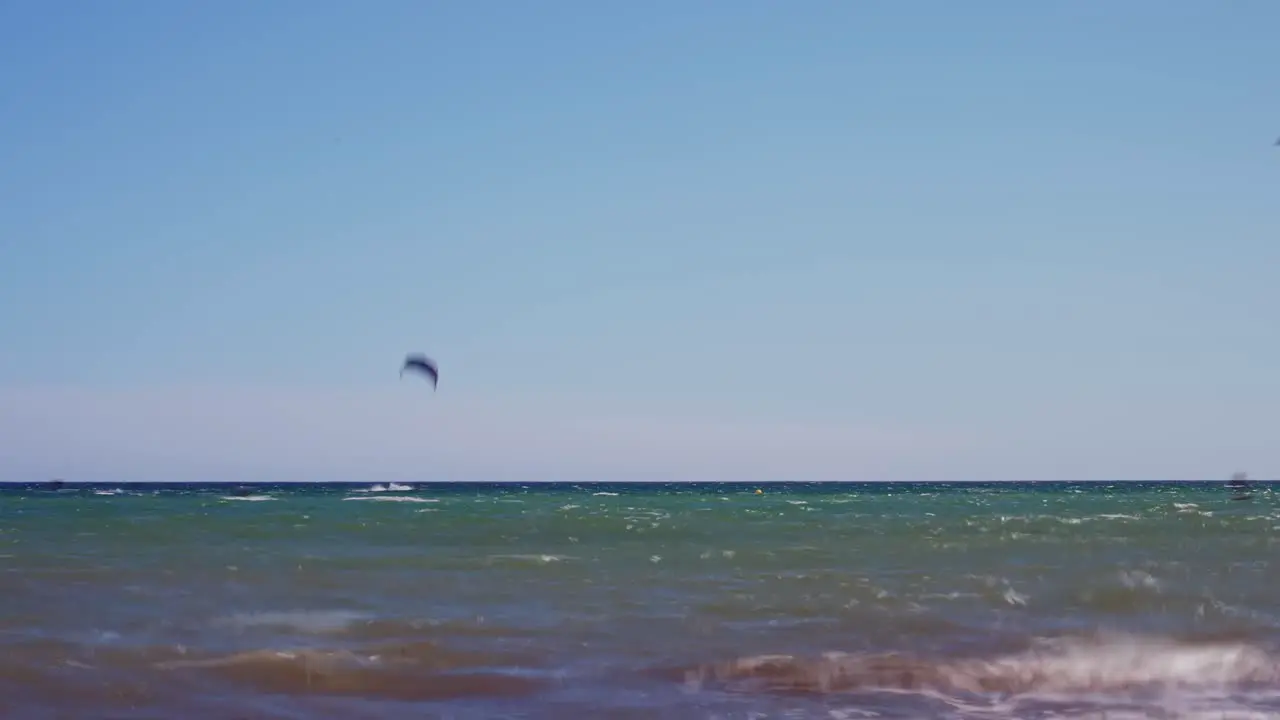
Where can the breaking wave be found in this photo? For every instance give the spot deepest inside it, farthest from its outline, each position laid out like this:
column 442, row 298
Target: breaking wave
column 1084, row 673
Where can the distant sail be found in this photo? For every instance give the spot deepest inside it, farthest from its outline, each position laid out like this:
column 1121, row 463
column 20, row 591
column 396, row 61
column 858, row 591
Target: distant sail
column 422, row 364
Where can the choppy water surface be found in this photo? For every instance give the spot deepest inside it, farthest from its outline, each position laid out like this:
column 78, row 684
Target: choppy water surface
column 832, row 601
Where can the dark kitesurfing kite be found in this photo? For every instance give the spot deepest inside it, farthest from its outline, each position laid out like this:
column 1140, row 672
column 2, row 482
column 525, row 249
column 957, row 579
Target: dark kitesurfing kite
column 423, row 364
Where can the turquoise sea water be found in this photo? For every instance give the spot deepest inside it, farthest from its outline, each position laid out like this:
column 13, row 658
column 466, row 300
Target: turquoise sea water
column 963, row 600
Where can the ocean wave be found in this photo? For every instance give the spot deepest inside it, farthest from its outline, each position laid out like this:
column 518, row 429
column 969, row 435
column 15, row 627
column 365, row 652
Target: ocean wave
column 394, row 498
column 379, row 488
column 1099, row 671
column 308, row 621
column 1077, row 676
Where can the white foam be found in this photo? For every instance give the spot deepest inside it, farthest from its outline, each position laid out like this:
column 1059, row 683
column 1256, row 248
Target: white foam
column 394, row 498
column 1013, row 597
column 1102, row 677
column 247, row 498
column 1120, row 663
column 542, row 559
column 1139, row 578
column 307, row 621
column 380, row 488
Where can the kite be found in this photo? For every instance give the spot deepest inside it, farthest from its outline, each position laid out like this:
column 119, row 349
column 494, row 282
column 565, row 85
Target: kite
column 422, row 364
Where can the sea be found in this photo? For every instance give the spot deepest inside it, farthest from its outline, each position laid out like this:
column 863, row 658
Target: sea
column 639, row 600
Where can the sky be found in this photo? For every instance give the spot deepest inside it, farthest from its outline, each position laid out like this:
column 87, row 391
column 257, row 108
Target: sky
column 722, row 240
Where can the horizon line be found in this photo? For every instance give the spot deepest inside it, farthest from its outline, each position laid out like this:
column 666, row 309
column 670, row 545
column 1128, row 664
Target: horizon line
column 65, row 481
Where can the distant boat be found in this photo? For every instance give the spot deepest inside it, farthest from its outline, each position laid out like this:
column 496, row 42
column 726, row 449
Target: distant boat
column 1240, row 482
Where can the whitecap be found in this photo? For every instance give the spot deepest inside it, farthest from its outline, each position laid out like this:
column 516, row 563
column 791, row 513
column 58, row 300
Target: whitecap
column 540, row 558
column 380, row 488
column 394, row 498
column 307, row 621
column 1101, row 677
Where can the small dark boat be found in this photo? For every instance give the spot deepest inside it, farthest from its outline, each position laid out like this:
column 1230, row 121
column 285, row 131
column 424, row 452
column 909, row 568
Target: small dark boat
column 1240, row 483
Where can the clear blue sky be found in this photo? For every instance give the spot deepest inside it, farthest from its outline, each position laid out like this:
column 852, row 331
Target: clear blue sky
column 823, row 239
